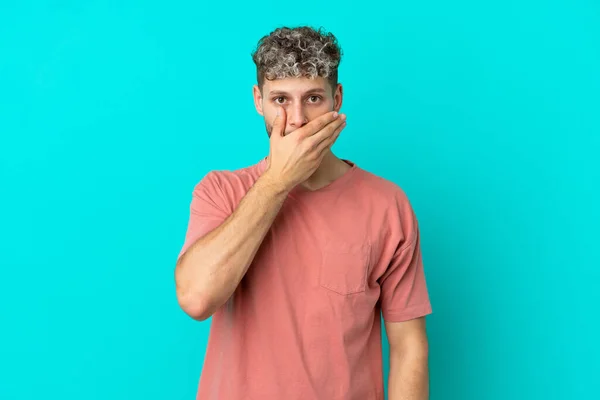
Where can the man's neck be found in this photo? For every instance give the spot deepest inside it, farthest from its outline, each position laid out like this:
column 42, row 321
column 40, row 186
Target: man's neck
column 331, row 168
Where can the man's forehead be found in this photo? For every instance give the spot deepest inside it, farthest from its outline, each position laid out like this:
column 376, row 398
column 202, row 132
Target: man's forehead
column 295, row 85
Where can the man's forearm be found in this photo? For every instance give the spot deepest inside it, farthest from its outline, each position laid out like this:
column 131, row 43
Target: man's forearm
column 211, row 269
column 409, row 376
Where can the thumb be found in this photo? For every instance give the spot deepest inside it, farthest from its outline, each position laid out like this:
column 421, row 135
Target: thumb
column 279, row 123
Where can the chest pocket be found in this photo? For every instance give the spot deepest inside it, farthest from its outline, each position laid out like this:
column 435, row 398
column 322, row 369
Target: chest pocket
column 344, row 266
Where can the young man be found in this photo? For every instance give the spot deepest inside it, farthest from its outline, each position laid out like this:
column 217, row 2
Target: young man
column 296, row 257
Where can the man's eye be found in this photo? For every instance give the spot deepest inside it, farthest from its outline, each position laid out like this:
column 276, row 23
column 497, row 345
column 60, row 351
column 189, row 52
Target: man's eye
column 279, row 98
column 315, row 98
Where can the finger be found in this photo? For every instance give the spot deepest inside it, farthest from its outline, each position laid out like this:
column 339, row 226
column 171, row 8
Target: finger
column 327, row 131
column 279, row 123
column 330, row 140
column 316, row 124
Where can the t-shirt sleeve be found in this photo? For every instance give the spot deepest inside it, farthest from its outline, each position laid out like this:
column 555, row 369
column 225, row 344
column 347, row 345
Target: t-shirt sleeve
column 207, row 210
column 404, row 294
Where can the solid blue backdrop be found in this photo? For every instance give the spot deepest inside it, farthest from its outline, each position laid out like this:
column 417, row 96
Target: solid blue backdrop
column 486, row 113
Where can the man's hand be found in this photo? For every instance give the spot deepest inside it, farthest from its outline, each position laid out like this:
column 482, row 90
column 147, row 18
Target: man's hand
column 295, row 157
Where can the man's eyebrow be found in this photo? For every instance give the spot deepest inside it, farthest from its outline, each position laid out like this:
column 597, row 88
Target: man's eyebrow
column 282, row 92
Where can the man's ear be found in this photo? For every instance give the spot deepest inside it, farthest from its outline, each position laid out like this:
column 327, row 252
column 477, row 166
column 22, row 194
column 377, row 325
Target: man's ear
column 257, row 99
column 338, row 95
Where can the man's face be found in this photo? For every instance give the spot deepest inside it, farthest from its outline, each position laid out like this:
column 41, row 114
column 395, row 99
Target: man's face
column 304, row 99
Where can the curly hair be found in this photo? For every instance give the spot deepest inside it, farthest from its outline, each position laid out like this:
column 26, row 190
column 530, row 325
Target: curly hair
column 297, row 52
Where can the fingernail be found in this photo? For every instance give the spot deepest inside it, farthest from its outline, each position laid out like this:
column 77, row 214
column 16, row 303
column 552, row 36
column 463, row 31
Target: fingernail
column 335, row 115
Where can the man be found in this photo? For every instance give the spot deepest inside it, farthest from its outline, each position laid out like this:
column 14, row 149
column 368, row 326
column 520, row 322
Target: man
column 296, row 257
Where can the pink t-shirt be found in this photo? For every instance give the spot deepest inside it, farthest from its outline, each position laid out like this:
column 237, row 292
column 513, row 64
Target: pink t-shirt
column 305, row 321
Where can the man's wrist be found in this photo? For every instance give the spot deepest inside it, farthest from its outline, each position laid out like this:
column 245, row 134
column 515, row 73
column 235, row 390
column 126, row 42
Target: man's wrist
column 272, row 185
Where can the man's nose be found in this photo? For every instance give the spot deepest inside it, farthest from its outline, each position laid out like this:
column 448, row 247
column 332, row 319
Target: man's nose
column 296, row 116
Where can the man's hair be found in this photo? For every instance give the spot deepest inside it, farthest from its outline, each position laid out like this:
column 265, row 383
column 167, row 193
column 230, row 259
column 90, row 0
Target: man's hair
column 297, row 52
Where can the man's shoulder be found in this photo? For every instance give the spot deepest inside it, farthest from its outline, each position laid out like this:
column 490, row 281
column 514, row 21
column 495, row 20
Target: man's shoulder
column 226, row 174
column 382, row 188
column 387, row 195
column 230, row 180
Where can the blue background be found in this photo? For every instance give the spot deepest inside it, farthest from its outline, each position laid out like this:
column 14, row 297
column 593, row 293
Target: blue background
column 486, row 113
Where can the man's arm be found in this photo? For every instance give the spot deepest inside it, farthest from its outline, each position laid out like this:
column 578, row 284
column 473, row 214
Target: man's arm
column 409, row 352
column 210, row 270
